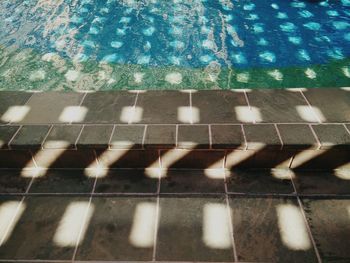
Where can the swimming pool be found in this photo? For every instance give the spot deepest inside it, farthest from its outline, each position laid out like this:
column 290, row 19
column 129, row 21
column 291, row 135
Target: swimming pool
column 173, row 44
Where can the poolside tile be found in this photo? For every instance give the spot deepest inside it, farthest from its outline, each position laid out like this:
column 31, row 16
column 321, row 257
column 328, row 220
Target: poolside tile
column 62, row 181
column 329, row 222
column 218, row 106
column 48, row 107
column 324, row 100
column 11, row 103
column 278, row 105
column 227, row 136
column 194, row 229
column 160, row 136
column 331, row 136
column 193, row 136
column 120, row 229
column 275, row 181
column 261, row 135
column 30, row 137
column 264, row 230
column 15, row 159
column 163, row 107
column 41, row 233
column 127, row 136
column 297, row 136
column 6, row 134
column 193, row 181
column 62, row 137
column 11, row 181
column 95, row 136
column 322, row 182
column 127, row 181
column 108, row 107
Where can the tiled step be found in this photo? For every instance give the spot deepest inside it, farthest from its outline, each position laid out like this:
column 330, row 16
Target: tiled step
column 178, row 216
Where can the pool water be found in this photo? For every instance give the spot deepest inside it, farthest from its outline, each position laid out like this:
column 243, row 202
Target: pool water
column 173, row 44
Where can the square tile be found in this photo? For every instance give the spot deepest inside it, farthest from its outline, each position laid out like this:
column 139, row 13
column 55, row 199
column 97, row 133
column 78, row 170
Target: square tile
column 62, row 137
column 30, row 137
column 329, row 223
column 6, row 134
column 262, row 135
column 160, row 136
column 10, row 99
column 218, row 106
column 11, row 181
column 193, row 181
column 127, row 136
column 331, row 136
column 275, row 181
column 194, row 229
column 95, row 136
column 162, row 107
column 47, row 107
column 278, row 105
column 120, row 229
column 48, row 220
column 264, row 230
column 107, row 106
column 324, row 100
column 193, row 136
column 63, row 181
column 297, row 136
column 227, row 137
column 127, row 181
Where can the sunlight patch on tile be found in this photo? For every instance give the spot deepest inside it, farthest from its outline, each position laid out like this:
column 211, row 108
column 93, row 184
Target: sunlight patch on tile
column 186, row 114
column 10, row 213
column 310, row 113
column 131, row 114
column 248, row 114
column 15, row 114
column 73, row 114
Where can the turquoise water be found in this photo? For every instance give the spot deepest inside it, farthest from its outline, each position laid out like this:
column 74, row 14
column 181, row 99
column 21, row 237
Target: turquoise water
column 55, row 44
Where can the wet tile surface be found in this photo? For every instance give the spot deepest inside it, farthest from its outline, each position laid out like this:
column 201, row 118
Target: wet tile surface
column 127, row 181
column 263, row 233
column 12, row 181
column 10, row 99
column 114, row 230
column 30, row 136
column 329, row 223
column 127, row 136
column 62, row 137
column 185, row 226
column 193, row 136
column 6, row 134
column 95, row 136
column 332, row 136
column 190, row 181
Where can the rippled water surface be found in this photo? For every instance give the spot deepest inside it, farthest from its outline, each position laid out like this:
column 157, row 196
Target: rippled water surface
column 173, row 44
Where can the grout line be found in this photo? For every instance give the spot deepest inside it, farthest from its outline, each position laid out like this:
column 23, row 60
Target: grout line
column 13, row 137
column 16, row 123
column 77, row 139
column 191, row 108
column 134, row 108
column 346, row 128
column 316, row 137
column 110, row 138
column 154, row 254
column 81, row 103
column 210, row 137
column 144, row 136
column 160, row 172
column 177, row 136
column 301, row 207
column 248, row 104
column 45, row 138
column 245, row 138
column 310, row 106
column 279, row 136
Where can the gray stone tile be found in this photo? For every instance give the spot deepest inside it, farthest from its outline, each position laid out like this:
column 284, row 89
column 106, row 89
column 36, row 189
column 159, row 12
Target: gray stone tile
column 6, row 134
column 189, row 230
column 10, row 99
column 218, row 106
column 95, row 136
column 193, row 181
column 162, row 107
column 193, row 136
column 329, row 223
column 108, row 107
column 15, row 159
column 333, row 103
column 121, row 229
column 160, row 136
column 277, row 105
column 297, row 136
column 47, row 107
column 127, row 136
column 261, row 135
column 322, row 182
column 11, row 181
column 62, row 137
column 275, row 181
column 30, row 137
column 227, row 137
column 63, row 181
column 36, row 236
column 127, row 181
column 264, row 231
column 332, row 136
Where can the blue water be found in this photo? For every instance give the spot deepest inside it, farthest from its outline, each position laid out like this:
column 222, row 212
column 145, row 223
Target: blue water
column 188, row 33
